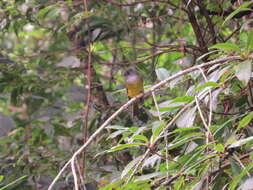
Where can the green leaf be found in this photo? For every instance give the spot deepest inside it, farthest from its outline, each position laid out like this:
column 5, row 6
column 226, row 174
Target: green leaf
column 237, row 179
column 60, row 130
column 180, row 130
column 226, row 47
column 235, row 167
column 169, row 108
column 251, row 156
column 42, row 13
column 182, row 99
column 1, row 178
column 245, row 121
column 53, row 13
column 141, row 137
column 243, row 71
column 124, row 146
column 179, row 183
column 157, row 131
column 185, row 139
column 38, row 34
column 250, row 41
column 200, row 161
column 129, row 166
column 187, row 118
column 219, row 148
column 207, row 84
column 243, row 7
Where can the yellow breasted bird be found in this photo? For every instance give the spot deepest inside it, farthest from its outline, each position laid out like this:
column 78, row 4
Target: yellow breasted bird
column 134, row 86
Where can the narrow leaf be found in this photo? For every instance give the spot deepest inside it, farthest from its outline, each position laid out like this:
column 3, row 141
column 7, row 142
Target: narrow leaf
column 141, row 137
column 129, row 166
column 241, row 8
column 250, row 41
column 226, row 47
column 237, row 179
column 169, row 108
column 180, row 130
column 245, row 121
column 157, row 131
column 124, row 146
column 207, row 84
column 187, row 118
column 182, row 99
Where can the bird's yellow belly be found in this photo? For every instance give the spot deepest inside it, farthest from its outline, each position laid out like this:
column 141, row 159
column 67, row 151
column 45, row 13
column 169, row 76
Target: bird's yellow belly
column 134, row 88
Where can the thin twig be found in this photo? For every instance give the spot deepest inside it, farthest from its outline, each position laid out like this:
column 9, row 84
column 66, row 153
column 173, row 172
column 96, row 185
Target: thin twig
column 141, row 1
column 74, row 173
column 88, row 100
column 157, row 107
column 142, row 60
column 202, row 118
column 210, row 105
column 81, row 175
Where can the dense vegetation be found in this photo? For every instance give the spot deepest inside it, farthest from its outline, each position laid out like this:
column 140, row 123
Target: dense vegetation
column 62, row 90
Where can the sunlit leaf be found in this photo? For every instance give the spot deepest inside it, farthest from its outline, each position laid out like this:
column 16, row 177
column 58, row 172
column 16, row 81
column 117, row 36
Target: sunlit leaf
column 157, row 131
column 165, row 109
column 1, row 178
column 181, row 130
column 219, row 148
column 141, row 137
column 245, row 121
column 207, row 84
column 243, row 71
column 226, row 47
column 162, row 73
column 187, row 118
column 182, row 99
column 150, row 162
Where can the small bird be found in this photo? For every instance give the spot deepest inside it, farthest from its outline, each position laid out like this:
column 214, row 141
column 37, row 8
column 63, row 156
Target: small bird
column 134, row 86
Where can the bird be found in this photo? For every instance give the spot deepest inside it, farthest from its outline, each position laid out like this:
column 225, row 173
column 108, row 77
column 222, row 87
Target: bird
column 134, row 87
